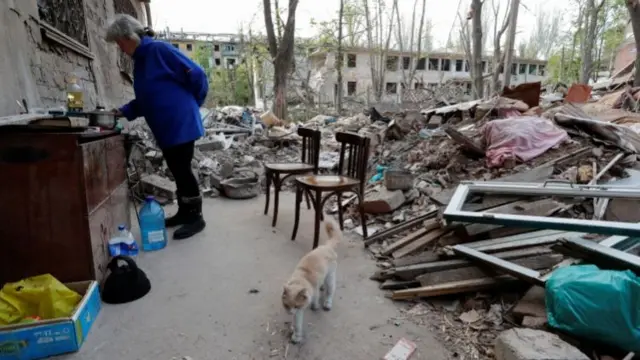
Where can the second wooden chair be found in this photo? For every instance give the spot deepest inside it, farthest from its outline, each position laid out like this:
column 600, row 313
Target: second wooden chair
column 351, row 177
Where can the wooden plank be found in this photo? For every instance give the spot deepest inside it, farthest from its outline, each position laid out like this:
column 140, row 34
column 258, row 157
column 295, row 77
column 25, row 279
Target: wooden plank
column 404, row 226
column 543, row 207
column 399, row 285
column 420, row 244
column 477, row 272
column 423, row 258
column 409, row 272
column 428, row 226
column 457, row 287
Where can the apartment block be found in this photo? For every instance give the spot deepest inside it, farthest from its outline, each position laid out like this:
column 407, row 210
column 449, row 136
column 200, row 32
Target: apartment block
column 223, row 49
column 430, row 71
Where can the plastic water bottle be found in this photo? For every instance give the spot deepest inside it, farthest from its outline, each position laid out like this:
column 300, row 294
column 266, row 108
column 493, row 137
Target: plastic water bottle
column 152, row 229
column 123, row 243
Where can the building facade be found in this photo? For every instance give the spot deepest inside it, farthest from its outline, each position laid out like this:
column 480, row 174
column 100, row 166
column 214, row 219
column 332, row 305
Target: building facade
column 223, row 50
column 44, row 43
column 430, row 71
column 626, row 54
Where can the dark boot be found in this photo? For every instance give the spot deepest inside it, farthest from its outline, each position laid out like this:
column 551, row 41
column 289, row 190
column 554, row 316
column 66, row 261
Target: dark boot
column 193, row 221
column 178, row 218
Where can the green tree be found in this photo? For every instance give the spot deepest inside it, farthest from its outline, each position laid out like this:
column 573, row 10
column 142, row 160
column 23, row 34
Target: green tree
column 227, row 86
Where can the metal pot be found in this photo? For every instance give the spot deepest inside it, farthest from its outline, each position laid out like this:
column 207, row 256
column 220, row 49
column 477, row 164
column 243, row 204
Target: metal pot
column 102, row 118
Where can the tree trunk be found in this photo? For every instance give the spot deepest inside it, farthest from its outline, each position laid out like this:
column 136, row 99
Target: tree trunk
column 477, row 48
column 511, row 41
column 280, row 91
column 282, row 52
column 634, row 14
column 340, row 58
column 591, row 22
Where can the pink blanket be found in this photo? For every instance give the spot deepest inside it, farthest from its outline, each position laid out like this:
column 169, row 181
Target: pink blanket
column 523, row 138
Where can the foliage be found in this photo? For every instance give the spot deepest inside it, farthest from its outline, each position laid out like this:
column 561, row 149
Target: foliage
column 226, row 86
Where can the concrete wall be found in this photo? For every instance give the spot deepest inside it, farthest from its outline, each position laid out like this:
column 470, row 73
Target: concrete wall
column 36, row 68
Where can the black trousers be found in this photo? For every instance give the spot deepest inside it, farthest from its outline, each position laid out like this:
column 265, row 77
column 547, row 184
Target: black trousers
column 178, row 160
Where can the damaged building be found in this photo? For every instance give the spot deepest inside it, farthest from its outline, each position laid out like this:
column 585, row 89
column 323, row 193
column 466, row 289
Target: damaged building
column 46, row 42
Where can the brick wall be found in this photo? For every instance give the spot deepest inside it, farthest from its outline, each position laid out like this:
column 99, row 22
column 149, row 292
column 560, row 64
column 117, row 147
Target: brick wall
column 626, row 54
column 36, row 68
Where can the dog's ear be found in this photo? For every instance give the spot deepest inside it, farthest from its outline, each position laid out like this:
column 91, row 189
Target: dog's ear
column 303, row 295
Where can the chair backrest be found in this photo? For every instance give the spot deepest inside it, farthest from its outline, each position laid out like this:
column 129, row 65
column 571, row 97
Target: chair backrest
column 354, row 155
column 310, row 147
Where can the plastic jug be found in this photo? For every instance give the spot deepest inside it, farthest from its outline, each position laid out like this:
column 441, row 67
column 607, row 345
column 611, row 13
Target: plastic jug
column 152, row 229
column 123, row 243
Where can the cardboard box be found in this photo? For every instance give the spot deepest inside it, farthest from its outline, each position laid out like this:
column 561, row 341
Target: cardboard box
column 53, row 337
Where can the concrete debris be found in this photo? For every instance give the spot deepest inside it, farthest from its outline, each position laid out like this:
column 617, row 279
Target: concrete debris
column 529, row 344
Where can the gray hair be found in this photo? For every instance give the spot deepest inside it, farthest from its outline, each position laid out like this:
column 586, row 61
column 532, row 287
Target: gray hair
column 126, row 26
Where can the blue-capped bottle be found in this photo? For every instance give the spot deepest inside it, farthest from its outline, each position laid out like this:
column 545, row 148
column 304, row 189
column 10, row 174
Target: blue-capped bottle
column 123, row 243
column 152, row 228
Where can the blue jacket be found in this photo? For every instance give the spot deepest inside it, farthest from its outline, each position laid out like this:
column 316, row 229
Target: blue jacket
column 169, row 89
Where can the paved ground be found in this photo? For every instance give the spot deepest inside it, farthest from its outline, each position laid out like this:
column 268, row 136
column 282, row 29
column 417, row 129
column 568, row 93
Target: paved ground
column 201, row 305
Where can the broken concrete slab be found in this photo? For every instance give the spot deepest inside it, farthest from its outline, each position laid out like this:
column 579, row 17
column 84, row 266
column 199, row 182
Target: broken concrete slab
column 158, row 185
column 210, row 144
column 384, row 201
column 530, row 344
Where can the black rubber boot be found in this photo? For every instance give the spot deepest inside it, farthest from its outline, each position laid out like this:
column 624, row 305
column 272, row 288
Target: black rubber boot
column 193, row 221
column 178, row 218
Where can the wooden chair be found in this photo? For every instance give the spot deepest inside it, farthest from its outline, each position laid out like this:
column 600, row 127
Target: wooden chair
column 351, row 177
column 309, row 164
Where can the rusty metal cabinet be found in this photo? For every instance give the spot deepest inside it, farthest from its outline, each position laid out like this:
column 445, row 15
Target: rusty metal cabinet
column 62, row 196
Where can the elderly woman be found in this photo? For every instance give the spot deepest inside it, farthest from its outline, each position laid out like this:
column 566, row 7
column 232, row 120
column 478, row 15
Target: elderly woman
column 169, row 90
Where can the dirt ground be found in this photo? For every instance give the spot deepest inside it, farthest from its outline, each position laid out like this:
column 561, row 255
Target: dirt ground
column 217, row 297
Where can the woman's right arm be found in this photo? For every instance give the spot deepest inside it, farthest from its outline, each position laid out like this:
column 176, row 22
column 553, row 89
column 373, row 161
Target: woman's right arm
column 130, row 110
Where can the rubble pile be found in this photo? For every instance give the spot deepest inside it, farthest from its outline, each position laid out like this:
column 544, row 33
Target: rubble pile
column 424, row 254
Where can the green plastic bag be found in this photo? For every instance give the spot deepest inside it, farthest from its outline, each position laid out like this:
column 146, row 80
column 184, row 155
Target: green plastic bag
column 599, row 305
column 40, row 296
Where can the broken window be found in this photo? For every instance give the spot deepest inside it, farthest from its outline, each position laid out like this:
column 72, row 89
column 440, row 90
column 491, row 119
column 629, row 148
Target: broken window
column 446, row 65
column 484, row 66
column 351, row 60
column 351, row 88
column 231, row 63
column 533, row 69
column 523, row 69
column 229, row 48
column 406, row 62
column 67, row 16
column 392, row 88
column 434, row 64
column 216, row 47
column 514, row 69
column 541, row 70
column 392, row 63
column 422, row 64
column 176, row 46
column 419, row 85
column 217, row 61
column 189, row 47
column 125, row 63
column 459, row 65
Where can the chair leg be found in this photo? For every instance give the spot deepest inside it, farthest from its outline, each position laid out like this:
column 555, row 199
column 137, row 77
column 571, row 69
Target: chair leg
column 276, row 198
column 296, row 220
column 316, row 226
column 306, row 197
column 363, row 218
column 340, row 214
column 267, row 176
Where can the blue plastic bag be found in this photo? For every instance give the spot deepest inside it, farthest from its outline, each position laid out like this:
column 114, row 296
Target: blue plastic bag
column 600, row 305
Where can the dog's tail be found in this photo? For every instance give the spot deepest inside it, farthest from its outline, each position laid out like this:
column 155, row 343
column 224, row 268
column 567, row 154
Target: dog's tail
column 333, row 230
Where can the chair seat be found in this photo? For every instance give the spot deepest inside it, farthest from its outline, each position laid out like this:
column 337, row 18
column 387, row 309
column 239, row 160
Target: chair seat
column 290, row 167
column 327, row 182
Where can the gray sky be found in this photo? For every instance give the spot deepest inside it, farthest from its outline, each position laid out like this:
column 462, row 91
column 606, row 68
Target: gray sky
column 228, row 16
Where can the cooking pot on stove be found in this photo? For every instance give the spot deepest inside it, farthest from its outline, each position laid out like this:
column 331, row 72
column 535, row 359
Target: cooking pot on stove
column 102, row 118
